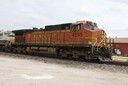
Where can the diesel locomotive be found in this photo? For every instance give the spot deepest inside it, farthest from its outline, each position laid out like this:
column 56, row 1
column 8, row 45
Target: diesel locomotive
column 82, row 39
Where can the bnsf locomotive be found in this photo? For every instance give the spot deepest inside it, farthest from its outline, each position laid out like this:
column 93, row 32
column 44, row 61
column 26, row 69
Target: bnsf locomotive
column 82, row 39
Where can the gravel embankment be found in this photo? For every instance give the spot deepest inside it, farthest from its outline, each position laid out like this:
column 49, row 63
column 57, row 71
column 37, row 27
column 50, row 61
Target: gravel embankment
column 112, row 67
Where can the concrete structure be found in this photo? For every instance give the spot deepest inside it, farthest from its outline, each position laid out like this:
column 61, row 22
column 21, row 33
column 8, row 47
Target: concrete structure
column 121, row 46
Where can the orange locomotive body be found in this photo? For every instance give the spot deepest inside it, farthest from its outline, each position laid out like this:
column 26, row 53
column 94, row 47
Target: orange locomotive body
column 81, row 39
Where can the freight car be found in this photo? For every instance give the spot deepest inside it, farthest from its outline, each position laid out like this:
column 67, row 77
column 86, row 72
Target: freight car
column 6, row 38
column 82, row 39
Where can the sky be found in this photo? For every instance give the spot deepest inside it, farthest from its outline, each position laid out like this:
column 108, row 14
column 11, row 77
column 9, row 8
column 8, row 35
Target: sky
column 110, row 15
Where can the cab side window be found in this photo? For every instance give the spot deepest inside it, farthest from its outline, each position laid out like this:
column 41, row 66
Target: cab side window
column 76, row 27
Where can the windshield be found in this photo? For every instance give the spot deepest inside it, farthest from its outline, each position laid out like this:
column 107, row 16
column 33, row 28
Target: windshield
column 91, row 26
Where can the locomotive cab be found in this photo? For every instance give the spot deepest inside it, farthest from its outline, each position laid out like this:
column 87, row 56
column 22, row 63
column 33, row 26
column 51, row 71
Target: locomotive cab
column 88, row 34
column 98, row 42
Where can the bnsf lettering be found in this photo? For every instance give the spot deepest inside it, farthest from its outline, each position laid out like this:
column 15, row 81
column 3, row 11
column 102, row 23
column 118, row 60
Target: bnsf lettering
column 41, row 38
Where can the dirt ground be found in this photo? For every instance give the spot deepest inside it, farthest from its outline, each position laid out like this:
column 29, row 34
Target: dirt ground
column 22, row 71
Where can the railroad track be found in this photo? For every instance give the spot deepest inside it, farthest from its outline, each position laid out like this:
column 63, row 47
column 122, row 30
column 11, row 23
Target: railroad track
column 118, row 63
column 51, row 56
column 113, row 66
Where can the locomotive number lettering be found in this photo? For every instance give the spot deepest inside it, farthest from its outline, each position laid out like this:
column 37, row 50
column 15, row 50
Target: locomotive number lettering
column 77, row 34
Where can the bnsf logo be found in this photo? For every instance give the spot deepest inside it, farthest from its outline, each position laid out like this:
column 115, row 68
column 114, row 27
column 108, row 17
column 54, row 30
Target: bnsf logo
column 42, row 37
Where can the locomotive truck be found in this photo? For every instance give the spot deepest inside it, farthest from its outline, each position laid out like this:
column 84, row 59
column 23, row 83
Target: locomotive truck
column 82, row 39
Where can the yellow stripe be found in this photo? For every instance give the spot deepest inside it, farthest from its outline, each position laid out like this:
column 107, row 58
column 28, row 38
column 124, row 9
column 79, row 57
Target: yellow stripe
column 58, row 43
column 51, row 31
column 92, row 37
